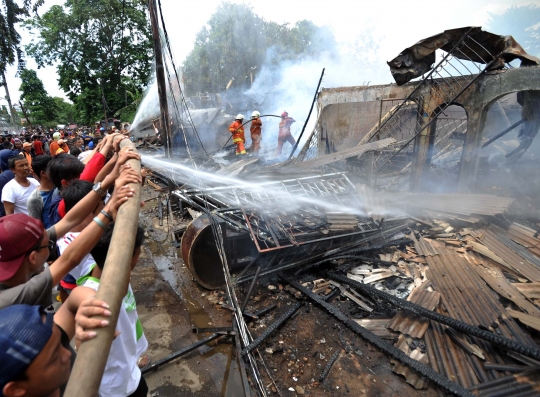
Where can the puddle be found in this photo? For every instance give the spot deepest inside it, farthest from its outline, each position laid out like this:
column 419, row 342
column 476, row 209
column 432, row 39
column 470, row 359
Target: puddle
column 222, row 366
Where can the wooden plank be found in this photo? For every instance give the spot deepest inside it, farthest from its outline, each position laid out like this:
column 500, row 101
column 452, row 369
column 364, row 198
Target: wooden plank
column 333, row 157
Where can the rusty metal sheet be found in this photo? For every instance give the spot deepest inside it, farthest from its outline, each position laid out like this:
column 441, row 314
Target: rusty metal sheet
column 424, row 247
column 530, row 290
column 523, row 384
column 333, row 157
column 499, row 245
column 525, row 236
column 412, row 324
column 418, row 59
column 379, row 327
column 493, row 276
column 411, row 376
column 465, row 296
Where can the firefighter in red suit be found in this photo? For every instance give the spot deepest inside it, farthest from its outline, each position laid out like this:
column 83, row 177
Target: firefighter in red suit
column 285, row 132
column 255, row 130
column 237, row 131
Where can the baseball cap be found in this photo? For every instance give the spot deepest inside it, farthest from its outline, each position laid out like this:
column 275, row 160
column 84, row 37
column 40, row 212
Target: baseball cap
column 102, row 129
column 18, row 233
column 23, row 335
column 27, row 144
column 61, row 142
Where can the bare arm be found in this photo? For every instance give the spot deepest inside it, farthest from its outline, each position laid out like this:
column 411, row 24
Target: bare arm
column 107, row 169
column 77, row 214
column 9, row 208
column 91, row 234
column 65, row 316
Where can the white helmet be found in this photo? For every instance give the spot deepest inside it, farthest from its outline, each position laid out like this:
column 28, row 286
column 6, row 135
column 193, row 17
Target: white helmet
column 56, row 136
column 255, row 115
column 239, row 117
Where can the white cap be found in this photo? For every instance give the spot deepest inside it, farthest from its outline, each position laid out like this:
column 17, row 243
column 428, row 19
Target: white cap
column 239, row 117
column 255, row 114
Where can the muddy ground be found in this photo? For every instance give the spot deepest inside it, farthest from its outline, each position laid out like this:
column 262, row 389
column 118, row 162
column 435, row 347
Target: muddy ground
column 170, row 304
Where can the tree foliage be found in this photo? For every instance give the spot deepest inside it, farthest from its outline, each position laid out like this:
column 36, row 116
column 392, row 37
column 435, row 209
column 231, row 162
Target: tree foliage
column 101, row 48
column 66, row 111
column 41, row 107
column 12, row 13
column 522, row 23
column 237, row 42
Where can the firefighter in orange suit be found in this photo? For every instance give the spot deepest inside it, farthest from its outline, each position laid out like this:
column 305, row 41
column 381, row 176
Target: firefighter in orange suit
column 255, row 130
column 285, row 132
column 237, row 131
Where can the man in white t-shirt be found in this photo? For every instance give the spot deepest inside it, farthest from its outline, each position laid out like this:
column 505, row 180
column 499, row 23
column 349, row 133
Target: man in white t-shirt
column 16, row 192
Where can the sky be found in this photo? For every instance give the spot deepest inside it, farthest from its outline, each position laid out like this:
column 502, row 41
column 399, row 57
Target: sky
column 391, row 24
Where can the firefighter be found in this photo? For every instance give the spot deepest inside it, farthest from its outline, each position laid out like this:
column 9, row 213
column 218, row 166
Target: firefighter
column 237, row 131
column 285, row 132
column 255, row 130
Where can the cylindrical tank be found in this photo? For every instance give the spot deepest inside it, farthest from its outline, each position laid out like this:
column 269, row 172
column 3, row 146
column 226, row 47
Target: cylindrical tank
column 201, row 257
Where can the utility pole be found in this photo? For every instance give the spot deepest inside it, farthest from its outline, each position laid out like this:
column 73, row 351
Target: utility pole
column 8, row 98
column 160, row 79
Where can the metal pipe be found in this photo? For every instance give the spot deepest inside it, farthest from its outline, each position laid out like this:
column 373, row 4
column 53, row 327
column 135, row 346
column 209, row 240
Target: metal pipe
column 93, row 354
column 501, row 134
column 180, row 353
column 250, row 290
column 309, row 114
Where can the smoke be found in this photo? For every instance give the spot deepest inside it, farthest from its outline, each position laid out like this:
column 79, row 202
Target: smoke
column 290, row 86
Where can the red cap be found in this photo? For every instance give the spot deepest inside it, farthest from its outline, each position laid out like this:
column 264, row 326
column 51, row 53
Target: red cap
column 18, row 233
column 284, row 114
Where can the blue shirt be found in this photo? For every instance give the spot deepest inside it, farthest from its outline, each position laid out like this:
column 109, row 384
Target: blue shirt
column 5, row 177
column 47, row 199
column 5, row 154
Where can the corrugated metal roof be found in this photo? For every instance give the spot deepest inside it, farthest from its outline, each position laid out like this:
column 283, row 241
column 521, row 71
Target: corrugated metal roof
column 526, row 383
column 412, row 377
column 465, row 296
column 424, row 247
column 412, row 324
column 530, row 290
column 494, row 277
column 501, row 246
column 525, row 236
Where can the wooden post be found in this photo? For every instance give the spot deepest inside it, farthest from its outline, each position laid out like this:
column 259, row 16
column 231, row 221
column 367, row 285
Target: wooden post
column 160, row 79
column 88, row 370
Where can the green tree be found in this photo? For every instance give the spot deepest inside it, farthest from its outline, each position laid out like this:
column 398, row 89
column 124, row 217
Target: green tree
column 12, row 13
column 41, row 107
column 522, row 23
column 98, row 47
column 236, row 42
column 66, row 111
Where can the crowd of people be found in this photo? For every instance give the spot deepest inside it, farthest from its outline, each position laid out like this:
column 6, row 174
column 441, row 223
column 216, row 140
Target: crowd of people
column 60, row 193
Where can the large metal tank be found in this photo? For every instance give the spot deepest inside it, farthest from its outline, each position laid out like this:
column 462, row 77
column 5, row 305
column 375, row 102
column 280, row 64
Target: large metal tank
column 201, row 257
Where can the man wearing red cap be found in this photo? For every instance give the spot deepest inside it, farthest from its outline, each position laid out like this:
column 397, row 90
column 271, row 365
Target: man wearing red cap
column 25, row 245
column 285, row 132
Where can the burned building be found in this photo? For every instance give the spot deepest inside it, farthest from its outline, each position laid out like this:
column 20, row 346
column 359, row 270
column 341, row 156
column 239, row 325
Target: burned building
column 380, row 234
